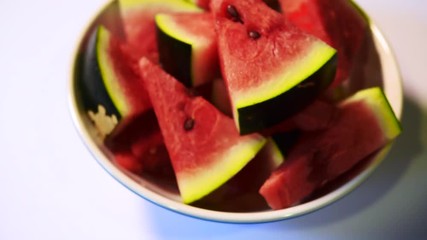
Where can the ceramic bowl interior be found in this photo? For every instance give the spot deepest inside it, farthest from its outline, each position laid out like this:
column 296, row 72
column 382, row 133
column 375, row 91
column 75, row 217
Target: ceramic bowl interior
column 377, row 67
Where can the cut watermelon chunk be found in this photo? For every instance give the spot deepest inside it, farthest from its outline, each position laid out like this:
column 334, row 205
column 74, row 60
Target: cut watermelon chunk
column 364, row 124
column 340, row 23
column 108, row 78
column 204, row 145
column 119, row 78
column 188, row 47
column 271, row 68
column 139, row 26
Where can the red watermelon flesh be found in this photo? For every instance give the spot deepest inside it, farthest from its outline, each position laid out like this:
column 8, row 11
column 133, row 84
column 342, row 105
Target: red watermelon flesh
column 137, row 146
column 305, row 14
column 360, row 128
column 338, row 22
column 202, row 3
column 220, row 97
column 205, row 4
column 317, row 116
column 240, row 193
column 204, row 145
column 120, row 78
column 265, row 62
column 139, row 25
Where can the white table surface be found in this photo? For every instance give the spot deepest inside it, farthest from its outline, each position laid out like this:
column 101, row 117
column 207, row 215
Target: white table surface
column 52, row 188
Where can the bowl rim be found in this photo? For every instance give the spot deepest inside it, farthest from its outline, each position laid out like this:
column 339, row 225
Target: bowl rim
column 393, row 89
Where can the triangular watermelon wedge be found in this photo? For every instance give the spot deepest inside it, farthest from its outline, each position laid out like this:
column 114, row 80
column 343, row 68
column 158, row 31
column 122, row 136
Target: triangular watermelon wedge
column 272, row 69
column 365, row 123
column 204, row 145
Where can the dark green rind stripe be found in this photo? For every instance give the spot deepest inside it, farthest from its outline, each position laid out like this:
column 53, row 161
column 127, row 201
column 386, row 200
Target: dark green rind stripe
column 268, row 113
column 90, row 80
column 175, row 57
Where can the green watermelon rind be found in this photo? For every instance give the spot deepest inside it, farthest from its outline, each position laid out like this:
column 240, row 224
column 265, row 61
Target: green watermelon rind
column 193, row 186
column 165, row 23
column 223, row 155
column 277, row 157
column 106, row 68
column 376, row 100
column 318, row 54
column 103, row 36
column 254, row 118
column 187, row 46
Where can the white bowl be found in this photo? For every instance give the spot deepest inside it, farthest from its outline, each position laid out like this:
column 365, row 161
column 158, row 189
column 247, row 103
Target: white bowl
column 386, row 67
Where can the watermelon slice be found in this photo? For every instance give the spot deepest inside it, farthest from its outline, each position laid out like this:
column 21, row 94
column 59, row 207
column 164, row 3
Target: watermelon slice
column 139, row 26
column 240, row 193
column 272, row 69
column 187, row 47
column 340, row 23
column 109, row 69
column 119, row 78
column 204, row 145
column 365, row 123
column 108, row 78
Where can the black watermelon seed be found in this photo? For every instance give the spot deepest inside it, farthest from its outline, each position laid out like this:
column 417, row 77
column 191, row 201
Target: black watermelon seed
column 254, row 35
column 233, row 14
column 189, row 124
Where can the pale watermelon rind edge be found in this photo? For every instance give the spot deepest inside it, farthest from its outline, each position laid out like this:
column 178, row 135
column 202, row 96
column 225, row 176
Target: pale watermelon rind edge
column 166, row 25
column 377, row 101
column 193, row 186
column 277, row 155
column 318, row 55
column 106, row 69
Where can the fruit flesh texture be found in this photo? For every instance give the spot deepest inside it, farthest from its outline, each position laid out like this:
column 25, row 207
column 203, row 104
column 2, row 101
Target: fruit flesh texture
column 189, row 49
column 261, row 71
column 120, row 79
column 337, row 22
column 205, row 4
column 205, row 153
column 137, row 145
column 364, row 124
column 201, row 3
column 240, row 193
column 116, row 55
column 139, row 26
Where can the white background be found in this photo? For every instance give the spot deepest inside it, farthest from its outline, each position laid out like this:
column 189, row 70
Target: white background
column 52, row 188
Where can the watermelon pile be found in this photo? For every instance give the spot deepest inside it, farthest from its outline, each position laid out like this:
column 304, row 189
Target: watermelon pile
column 230, row 101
